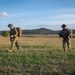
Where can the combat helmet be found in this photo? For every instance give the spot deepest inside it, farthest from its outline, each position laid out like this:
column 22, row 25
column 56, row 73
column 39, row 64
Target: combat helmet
column 10, row 25
column 63, row 26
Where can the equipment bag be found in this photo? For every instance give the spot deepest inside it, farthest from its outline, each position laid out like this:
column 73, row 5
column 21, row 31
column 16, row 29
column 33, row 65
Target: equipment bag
column 19, row 30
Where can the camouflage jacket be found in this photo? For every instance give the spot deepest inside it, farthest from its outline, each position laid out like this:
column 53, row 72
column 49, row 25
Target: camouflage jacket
column 65, row 34
column 13, row 32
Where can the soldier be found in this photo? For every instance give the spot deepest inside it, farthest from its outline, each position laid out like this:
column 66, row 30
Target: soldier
column 13, row 37
column 66, row 34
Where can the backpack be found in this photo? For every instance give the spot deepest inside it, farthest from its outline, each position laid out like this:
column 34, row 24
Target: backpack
column 19, row 30
column 70, row 32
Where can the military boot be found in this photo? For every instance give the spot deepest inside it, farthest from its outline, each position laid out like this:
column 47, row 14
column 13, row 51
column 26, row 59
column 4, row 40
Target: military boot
column 9, row 50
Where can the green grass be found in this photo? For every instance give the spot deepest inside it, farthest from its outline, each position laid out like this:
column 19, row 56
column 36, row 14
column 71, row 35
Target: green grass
column 37, row 59
column 37, row 62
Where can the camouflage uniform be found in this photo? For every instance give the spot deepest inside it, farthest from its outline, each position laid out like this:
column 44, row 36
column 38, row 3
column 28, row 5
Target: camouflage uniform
column 66, row 40
column 13, row 37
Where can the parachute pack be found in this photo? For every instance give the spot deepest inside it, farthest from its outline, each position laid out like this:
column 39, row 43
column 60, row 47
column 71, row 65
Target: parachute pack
column 19, row 30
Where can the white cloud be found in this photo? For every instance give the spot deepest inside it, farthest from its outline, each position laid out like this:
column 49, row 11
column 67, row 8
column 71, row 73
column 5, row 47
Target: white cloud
column 3, row 14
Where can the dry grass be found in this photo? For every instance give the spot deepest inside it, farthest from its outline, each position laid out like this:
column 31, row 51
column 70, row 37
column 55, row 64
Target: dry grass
column 32, row 40
column 36, row 41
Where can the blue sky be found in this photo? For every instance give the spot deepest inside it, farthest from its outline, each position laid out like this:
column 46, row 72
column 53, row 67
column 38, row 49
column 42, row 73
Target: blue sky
column 33, row 14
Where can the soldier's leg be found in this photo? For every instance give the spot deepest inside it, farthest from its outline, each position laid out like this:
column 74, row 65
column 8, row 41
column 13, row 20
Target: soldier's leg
column 69, row 44
column 16, row 43
column 12, row 45
column 64, row 46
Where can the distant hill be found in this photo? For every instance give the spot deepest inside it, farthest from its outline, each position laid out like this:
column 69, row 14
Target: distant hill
column 40, row 31
column 1, row 32
column 73, row 31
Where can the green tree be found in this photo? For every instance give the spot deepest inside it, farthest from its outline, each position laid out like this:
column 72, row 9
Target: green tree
column 5, row 33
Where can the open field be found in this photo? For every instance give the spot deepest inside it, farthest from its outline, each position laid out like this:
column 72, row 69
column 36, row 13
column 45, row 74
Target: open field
column 37, row 56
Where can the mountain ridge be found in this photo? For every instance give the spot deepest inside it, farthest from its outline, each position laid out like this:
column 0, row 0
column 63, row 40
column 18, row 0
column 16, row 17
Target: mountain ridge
column 38, row 31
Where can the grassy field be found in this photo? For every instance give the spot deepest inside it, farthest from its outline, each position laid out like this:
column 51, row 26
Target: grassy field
column 37, row 56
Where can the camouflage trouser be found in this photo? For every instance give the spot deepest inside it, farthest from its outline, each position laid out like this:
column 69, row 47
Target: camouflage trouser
column 65, row 44
column 14, row 41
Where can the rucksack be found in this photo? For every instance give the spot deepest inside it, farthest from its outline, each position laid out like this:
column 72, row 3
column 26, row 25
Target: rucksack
column 71, row 33
column 19, row 30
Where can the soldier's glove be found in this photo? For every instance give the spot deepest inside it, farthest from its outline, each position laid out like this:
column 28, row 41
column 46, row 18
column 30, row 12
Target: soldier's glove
column 11, row 36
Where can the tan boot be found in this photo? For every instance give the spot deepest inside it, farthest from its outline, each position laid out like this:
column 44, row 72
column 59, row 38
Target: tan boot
column 9, row 50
